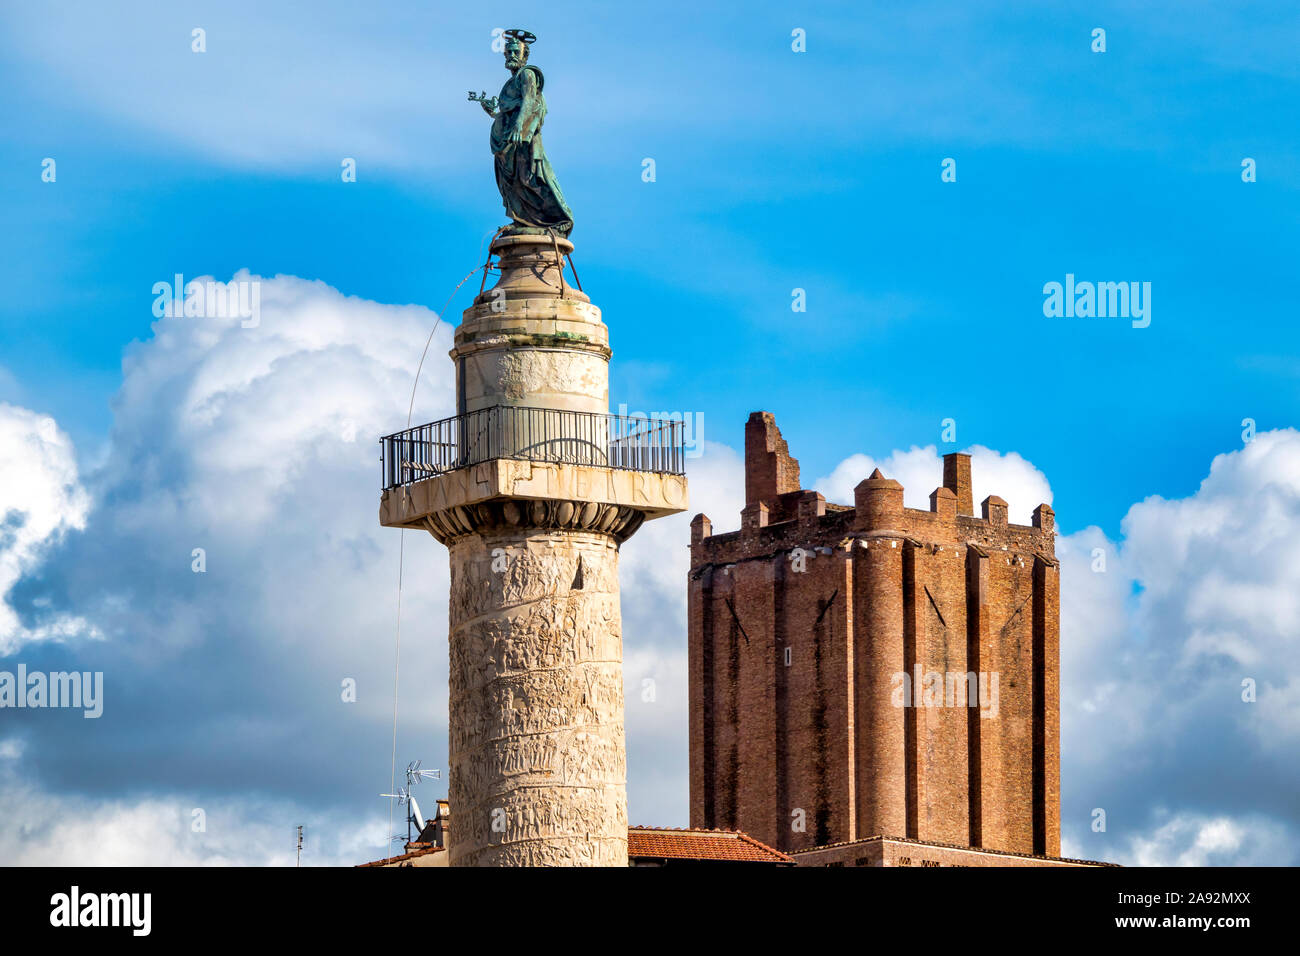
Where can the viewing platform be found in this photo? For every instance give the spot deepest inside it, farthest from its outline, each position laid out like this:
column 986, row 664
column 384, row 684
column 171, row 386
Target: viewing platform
column 621, row 442
column 514, row 467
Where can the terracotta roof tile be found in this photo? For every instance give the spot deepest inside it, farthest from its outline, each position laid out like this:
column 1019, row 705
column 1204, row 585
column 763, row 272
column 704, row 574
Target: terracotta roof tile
column 662, row 843
column 666, row 843
column 414, row 850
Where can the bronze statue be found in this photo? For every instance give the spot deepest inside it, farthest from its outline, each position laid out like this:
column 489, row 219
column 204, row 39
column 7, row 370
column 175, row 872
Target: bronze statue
column 529, row 189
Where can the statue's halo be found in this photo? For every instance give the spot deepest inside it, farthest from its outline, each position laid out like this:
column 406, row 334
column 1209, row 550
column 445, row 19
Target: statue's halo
column 523, row 36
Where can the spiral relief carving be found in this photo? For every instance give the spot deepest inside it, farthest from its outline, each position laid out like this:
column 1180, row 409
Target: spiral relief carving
column 537, row 751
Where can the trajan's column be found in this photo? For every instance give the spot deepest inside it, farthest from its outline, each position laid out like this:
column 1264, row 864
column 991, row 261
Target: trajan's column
column 533, row 487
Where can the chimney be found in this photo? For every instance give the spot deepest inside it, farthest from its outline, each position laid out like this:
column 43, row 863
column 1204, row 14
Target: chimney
column 441, row 825
column 769, row 469
column 956, row 477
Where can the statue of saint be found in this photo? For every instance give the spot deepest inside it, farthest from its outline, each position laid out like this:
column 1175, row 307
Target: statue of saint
column 529, row 189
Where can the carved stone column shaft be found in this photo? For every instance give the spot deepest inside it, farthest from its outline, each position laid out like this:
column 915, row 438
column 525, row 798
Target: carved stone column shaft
column 538, row 768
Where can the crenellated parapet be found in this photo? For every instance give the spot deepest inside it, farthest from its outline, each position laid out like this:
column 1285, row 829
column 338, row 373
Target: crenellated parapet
column 805, row 519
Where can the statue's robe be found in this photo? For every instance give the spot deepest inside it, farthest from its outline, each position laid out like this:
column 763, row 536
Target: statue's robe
column 529, row 189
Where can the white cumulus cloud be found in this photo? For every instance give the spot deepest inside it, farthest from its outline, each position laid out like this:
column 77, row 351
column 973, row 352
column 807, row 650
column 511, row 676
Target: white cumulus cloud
column 1163, row 633
column 920, row 471
column 41, row 499
column 257, row 445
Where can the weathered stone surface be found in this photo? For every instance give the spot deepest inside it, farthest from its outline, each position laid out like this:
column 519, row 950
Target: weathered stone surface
column 451, row 499
column 532, row 339
column 547, row 378
column 537, row 772
column 538, row 768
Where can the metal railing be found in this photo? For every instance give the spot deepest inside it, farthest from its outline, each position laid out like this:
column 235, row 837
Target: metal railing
column 628, row 442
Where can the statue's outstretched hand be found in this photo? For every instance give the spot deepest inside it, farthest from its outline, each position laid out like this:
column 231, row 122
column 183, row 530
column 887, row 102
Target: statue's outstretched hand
column 489, row 103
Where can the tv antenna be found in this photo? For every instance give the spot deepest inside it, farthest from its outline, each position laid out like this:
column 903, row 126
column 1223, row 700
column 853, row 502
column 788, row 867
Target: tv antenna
column 414, row 775
column 299, row 845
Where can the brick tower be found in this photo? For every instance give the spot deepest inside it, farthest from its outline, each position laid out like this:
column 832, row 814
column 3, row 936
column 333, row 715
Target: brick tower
column 874, row 670
column 533, row 487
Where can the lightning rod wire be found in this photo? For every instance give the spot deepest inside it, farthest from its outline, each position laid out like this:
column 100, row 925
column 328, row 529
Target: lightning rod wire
column 401, row 551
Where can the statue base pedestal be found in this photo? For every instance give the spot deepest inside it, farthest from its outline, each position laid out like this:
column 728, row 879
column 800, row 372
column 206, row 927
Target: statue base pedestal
column 517, row 229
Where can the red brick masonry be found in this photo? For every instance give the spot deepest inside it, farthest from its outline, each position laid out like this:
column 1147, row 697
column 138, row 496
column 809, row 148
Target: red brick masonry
column 796, row 733
column 894, row 851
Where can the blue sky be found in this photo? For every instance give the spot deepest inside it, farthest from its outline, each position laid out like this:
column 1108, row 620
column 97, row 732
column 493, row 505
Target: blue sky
column 775, row 170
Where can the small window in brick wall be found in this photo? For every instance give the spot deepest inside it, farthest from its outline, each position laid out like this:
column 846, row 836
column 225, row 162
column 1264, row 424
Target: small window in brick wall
column 787, row 656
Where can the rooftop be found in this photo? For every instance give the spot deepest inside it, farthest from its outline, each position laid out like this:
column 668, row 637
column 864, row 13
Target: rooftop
column 668, row 843
column 413, row 850
column 658, row 843
column 880, row 838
